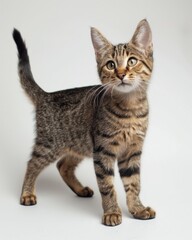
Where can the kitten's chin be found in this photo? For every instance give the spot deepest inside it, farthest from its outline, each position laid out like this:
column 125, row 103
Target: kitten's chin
column 125, row 88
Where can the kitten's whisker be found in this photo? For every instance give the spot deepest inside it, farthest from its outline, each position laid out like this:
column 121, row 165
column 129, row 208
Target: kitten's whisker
column 141, row 87
column 98, row 92
column 113, row 90
column 93, row 93
column 97, row 95
column 104, row 94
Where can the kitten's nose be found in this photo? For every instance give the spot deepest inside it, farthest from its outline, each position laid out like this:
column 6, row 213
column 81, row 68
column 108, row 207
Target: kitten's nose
column 121, row 75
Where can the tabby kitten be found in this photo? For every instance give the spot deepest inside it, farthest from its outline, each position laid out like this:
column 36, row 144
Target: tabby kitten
column 107, row 122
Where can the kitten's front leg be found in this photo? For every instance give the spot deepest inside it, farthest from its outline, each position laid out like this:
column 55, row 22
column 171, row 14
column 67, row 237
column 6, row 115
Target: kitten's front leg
column 129, row 169
column 104, row 169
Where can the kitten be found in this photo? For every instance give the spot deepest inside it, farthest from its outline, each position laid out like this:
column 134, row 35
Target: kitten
column 107, row 122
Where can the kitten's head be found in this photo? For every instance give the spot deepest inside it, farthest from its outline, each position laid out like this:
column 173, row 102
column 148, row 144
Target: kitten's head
column 125, row 67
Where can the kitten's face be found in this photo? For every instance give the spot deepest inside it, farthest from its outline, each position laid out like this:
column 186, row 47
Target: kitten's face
column 125, row 67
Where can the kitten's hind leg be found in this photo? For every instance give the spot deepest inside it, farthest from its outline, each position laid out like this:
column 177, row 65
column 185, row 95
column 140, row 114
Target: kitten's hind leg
column 41, row 157
column 66, row 167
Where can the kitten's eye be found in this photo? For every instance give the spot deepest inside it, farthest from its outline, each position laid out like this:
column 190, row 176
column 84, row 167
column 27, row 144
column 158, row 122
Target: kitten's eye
column 132, row 61
column 110, row 65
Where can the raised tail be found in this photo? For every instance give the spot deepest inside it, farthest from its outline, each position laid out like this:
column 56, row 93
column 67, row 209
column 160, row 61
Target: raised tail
column 27, row 81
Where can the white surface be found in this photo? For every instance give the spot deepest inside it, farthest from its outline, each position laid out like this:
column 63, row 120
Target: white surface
column 62, row 56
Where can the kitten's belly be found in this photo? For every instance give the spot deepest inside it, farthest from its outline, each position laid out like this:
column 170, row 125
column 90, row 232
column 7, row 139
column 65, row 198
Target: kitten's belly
column 79, row 143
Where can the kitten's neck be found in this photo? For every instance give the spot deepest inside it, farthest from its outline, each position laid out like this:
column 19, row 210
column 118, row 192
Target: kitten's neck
column 128, row 100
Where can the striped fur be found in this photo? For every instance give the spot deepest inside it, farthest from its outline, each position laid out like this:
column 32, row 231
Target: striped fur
column 107, row 122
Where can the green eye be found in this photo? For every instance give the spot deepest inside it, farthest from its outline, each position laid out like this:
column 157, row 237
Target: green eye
column 132, row 61
column 110, row 65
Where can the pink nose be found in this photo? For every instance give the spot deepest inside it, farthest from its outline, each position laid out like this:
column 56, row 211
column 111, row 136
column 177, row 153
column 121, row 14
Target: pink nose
column 121, row 75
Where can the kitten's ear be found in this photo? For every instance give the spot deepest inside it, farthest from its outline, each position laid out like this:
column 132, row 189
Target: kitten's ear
column 100, row 43
column 142, row 37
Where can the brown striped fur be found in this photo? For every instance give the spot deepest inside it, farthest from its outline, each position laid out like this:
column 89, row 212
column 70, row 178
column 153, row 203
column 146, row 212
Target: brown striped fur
column 107, row 122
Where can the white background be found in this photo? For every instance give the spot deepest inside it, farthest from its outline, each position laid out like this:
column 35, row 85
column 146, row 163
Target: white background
column 57, row 34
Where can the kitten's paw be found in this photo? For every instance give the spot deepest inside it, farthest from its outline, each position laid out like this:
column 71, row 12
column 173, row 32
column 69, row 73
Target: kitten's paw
column 28, row 200
column 85, row 192
column 112, row 219
column 146, row 213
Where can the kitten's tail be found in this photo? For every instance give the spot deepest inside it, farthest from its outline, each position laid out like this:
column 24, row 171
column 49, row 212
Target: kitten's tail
column 27, row 81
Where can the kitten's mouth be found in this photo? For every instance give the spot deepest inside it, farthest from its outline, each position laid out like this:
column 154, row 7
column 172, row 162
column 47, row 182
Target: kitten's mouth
column 124, row 84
